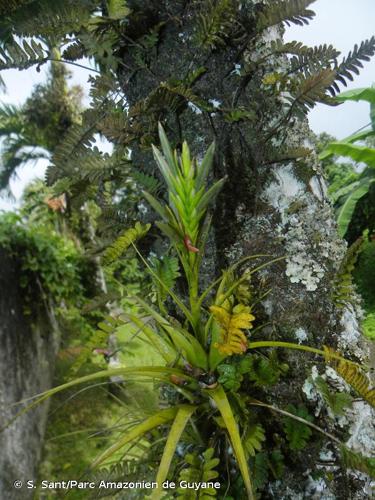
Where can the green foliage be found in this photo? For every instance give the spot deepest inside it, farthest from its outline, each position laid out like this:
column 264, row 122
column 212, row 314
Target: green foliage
column 229, row 377
column 312, row 89
column 123, row 242
column 353, row 375
column 285, row 11
column 337, row 401
column 215, row 22
column 296, row 432
column 166, row 271
column 254, row 438
column 306, row 59
column 345, row 212
column 353, row 62
column 266, row 371
column 357, row 461
column 50, row 264
column 343, row 284
column 199, row 468
column 357, row 188
column 368, row 325
column 14, row 55
column 32, row 131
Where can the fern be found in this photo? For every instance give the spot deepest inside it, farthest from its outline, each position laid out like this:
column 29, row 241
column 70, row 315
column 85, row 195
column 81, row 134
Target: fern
column 215, row 22
column 73, row 52
column 260, row 470
column 232, row 322
column 285, row 11
column 124, row 241
column 253, row 439
column 147, row 182
column 128, row 470
column 98, row 340
column 352, row 374
column 343, row 282
column 201, row 468
column 357, row 461
column 296, row 432
column 185, row 92
column 145, row 46
column 306, row 59
column 76, row 143
column 11, row 5
column 14, row 55
column 265, row 371
column 312, row 89
column 338, row 401
column 353, row 62
column 166, row 271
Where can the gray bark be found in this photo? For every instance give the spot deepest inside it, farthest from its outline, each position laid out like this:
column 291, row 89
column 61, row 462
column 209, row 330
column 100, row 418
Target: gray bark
column 27, row 353
column 277, row 209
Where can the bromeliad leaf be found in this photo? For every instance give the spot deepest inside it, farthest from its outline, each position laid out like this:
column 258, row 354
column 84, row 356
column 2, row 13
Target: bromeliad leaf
column 232, row 322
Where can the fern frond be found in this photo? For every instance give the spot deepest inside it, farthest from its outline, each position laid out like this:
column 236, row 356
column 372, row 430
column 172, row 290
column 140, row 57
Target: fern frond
column 147, row 182
column 12, row 5
column 266, row 371
column 187, row 94
column 167, row 272
column 357, row 461
column 199, row 468
column 312, row 89
column 98, row 340
column 336, row 401
column 352, row 63
column 352, row 374
column 285, row 11
column 75, row 144
column 232, row 322
column 14, row 55
column 343, row 282
column 215, row 23
column 306, row 59
column 122, row 243
column 296, row 432
column 142, row 470
column 253, row 438
column 73, row 52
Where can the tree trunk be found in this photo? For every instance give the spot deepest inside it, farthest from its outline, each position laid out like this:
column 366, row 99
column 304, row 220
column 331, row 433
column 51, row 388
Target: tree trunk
column 274, row 200
column 27, row 354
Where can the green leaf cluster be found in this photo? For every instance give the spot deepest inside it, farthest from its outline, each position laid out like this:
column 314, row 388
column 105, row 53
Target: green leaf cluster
column 296, row 432
column 199, row 468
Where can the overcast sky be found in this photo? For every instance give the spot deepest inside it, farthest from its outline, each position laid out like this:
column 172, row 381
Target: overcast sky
column 341, row 23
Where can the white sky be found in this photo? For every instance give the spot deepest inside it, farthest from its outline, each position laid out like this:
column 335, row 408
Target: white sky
column 341, row 23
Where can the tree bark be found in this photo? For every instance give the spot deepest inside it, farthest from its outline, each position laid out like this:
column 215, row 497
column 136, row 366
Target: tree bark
column 270, row 207
column 27, row 354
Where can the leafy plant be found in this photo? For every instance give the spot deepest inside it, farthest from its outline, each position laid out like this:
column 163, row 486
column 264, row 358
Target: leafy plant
column 196, row 366
column 199, row 468
column 297, row 433
column 337, row 401
column 347, row 199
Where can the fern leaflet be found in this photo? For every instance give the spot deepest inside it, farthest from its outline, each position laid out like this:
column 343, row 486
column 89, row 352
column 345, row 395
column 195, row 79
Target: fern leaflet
column 124, row 241
column 352, row 374
column 285, row 11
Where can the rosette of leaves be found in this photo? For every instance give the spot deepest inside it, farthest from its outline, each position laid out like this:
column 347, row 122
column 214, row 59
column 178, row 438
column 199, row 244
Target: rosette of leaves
column 197, row 342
